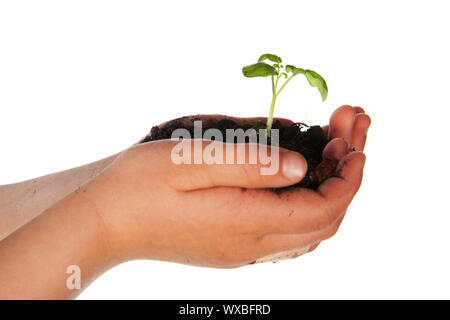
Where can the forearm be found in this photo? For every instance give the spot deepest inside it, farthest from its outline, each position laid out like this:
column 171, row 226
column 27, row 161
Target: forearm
column 22, row 202
column 34, row 260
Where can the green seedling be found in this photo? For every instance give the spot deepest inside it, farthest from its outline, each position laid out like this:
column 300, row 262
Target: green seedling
column 276, row 71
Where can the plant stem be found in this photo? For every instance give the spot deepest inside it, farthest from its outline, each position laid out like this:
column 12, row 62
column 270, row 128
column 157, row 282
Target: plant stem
column 274, row 98
column 276, row 83
column 285, row 83
column 273, row 86
column 270, row 118
column 272, row 105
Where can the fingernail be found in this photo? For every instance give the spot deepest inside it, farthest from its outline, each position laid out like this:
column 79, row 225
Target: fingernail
column 294, row 166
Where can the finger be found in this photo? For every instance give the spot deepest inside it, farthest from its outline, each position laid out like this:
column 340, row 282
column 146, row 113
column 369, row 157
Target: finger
column 341, row 123
column 358, row 109
column 341, row 189
column 263, row 212
column 326, row 128
column 335, row 149
column 217, row 164
column 359, row 132
column 297, row 210
column 305, row 210
column 283, row 242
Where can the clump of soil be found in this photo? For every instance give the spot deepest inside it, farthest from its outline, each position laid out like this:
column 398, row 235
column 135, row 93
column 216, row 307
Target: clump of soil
column 306, row 140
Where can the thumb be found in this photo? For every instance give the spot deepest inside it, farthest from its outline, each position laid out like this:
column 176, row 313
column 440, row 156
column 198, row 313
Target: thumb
column 199, row 164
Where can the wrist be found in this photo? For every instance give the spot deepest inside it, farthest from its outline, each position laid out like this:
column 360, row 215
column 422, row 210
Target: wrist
column 102, row 198
column 95, row 219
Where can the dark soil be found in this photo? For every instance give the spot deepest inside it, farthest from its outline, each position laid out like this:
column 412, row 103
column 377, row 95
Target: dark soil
column 306, row 140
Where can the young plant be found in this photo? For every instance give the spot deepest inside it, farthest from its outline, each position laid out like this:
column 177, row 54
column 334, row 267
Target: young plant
column 276, row 71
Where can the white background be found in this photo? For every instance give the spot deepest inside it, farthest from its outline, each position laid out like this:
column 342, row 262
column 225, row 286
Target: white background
column 80, row 80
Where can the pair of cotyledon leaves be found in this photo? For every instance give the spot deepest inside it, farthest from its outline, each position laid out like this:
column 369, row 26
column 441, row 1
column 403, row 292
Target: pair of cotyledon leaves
column 262, row 69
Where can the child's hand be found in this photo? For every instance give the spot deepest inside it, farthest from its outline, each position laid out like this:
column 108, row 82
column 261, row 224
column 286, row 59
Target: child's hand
column 220, row 215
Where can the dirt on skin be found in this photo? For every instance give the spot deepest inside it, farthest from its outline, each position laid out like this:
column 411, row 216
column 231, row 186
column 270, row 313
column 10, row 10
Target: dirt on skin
column 306, row 140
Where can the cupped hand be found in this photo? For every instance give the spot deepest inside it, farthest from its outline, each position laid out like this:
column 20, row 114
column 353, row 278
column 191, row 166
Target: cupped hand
column 222, row 215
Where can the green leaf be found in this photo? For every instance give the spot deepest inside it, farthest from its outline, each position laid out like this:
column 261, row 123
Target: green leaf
column 271, row 57
column 294, row 69
column 260, row 69
column 258, row 124
column 316, row 80
column 298, row 70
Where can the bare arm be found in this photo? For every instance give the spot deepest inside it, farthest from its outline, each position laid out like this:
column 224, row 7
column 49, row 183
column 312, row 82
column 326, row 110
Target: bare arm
column 22, row 202
column 34, row 260
column 142, row 206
